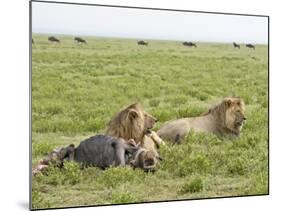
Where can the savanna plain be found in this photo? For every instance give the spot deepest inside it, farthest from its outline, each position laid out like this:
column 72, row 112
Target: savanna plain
column 77, row 88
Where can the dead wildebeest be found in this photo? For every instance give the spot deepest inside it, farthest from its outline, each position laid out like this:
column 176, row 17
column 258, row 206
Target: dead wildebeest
column 250, row 46
column 102, row 151
column 80, row 40
column 235, row 45
column 189, row 44
column 53, row 39
column 141, row 42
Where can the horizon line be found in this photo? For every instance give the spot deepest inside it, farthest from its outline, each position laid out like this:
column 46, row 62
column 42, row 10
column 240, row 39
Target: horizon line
column 142, row 38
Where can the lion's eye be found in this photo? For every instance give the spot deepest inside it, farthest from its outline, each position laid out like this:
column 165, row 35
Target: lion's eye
column 238, row 111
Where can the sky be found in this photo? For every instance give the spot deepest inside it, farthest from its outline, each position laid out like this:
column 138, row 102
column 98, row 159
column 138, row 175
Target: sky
column 54, row 18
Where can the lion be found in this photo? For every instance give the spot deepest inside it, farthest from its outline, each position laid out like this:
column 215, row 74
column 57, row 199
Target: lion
column 224, row 120
column 131, row 123
column 151, row 141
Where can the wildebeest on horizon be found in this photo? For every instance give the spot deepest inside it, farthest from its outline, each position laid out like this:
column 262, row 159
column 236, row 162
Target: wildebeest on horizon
column 141, row 42
column 80, row 40
column 235, row 45
column 189, row 44
column 32, row 41
column 53, row 39
column 250, row 46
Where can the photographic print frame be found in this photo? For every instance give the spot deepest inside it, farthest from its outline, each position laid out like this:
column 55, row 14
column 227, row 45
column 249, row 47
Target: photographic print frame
column 121, row 107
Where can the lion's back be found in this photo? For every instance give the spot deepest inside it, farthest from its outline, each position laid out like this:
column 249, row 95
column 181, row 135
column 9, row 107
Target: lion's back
column 174, row 129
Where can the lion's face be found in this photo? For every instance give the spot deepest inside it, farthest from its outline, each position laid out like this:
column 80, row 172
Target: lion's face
column 235, row 114
column 144, row 120
column 149, row 121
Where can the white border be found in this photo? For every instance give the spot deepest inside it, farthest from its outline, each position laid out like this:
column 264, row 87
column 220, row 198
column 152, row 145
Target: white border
column 14, row 109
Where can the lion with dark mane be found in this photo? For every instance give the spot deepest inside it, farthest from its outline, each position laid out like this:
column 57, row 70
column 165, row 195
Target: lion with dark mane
column 131, row 123
column 224, row 120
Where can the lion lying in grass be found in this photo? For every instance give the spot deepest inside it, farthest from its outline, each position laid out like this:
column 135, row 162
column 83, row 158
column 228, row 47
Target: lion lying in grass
column 224, row 120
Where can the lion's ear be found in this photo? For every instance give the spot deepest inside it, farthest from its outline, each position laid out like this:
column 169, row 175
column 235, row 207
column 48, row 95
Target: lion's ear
column 133, row 113
column 228, row 102
column 238, row 103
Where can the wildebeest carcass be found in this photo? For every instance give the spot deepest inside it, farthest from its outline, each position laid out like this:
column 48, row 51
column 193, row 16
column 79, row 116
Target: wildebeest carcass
column 53, row 39
column 80, row 40
column 102, row 151
column 141, row 42
column 235, row 45
column 189, row 44
column 250, row 46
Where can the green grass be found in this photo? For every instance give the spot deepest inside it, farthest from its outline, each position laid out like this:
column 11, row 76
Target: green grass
column 77, row 89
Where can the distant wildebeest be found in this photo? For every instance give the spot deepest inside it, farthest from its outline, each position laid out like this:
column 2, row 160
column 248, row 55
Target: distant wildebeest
column 141, row 42
column 53, row 39
column 189, row 44
column 235, row 45
column 250, row 46
column 32, row 41
column 80, row 40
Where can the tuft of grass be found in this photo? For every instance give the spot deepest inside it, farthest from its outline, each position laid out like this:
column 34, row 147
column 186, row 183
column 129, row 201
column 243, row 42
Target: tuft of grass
column 69, row 174
column 37, row 199
column 237, row 166
column 195, row 185
column 72, row 172
column 40, row 149
column 199, row 164
column 114, row 176
column 154, row 102
column 122, row 198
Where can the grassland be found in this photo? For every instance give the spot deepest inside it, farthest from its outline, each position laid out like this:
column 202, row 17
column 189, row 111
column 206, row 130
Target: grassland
column 76, row 89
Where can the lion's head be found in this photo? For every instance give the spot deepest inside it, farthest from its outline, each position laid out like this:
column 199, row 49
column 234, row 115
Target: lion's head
column 131, row 123
column 147, row 160
column 230, row 115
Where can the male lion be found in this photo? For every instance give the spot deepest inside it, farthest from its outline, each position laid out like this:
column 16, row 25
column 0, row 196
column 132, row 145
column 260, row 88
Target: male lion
column 131, row 123
column 225, row 119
